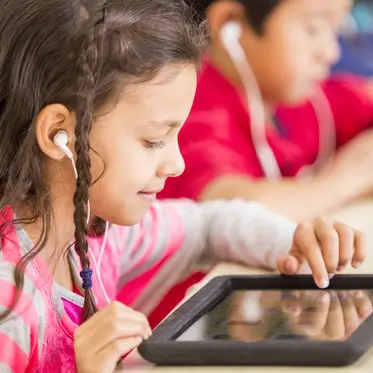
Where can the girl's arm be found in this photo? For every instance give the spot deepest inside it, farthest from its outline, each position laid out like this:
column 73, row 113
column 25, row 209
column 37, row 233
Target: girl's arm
column 233, row 230
column 179, row 237
column 19, row 341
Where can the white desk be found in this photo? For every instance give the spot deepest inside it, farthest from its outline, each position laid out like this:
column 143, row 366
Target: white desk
column 360, row 216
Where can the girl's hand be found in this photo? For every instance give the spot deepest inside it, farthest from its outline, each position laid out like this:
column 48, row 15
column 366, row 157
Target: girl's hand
column 107, row 336
column 327, row 247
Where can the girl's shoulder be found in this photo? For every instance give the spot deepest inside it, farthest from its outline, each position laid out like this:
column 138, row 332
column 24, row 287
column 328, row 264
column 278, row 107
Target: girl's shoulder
column 23, row 323
column 20, row 280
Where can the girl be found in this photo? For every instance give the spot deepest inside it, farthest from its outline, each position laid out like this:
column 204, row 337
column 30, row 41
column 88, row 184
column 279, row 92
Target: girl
column 269, row 118
column 92, row 97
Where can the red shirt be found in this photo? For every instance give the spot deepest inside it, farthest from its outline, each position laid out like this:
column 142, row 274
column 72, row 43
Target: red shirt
column 216, row 140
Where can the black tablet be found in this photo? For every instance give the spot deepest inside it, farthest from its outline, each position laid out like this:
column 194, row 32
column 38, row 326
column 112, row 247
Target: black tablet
column 268, row 320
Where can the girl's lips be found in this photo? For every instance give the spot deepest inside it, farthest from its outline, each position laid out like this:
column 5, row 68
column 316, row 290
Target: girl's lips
column 148, row 196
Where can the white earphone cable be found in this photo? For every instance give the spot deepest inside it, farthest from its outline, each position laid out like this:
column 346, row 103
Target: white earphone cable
column 267, row 159
column 255, row 107
column 97, row 264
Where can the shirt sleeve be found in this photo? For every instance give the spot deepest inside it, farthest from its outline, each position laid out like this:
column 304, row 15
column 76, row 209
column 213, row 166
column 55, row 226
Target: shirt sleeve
column 182, row 236
column 18, row 332
column 351, row 102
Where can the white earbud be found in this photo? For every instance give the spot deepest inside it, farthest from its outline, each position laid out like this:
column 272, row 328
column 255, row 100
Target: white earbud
column 60, row 139
column 230, row 33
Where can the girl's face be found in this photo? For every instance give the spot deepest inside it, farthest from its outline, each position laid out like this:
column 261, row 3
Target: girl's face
column 138, row 141
column 134, row 146
column 298, row 48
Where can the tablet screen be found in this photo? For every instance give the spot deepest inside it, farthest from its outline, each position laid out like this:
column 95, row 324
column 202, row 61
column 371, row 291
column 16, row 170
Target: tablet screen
column 253, row 316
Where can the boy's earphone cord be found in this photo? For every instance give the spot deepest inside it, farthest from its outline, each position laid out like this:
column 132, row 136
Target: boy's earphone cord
column 61, row 140
column 230, row 35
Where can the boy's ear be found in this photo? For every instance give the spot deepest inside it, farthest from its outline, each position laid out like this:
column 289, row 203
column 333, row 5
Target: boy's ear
column 220, row 12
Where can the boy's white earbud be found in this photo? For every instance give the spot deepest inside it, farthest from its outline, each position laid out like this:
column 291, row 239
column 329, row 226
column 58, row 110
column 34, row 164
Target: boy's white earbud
column 230, row 33
column 60, row 139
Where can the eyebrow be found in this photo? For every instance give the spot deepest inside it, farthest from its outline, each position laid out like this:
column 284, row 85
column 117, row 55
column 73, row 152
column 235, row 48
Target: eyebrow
column 324, row 12
column 165, row 124
column 318, row 13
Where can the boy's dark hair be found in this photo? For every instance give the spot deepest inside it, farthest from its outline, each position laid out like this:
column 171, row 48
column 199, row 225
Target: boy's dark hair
column 78, row 53
column 257, row 11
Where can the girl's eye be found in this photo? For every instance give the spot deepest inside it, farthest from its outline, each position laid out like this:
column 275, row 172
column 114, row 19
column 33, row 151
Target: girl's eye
column 155, row 144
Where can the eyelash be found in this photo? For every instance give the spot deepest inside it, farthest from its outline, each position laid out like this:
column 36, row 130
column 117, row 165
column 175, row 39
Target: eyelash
column 155, row 144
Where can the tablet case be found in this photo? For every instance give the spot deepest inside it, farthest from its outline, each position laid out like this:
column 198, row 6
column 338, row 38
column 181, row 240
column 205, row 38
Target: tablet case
column 162, row 349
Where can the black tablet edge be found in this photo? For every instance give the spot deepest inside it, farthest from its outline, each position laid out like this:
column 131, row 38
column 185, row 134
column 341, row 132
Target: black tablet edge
column 190, row 311
column 217, row 289
column 267, row 353
column 299, row 282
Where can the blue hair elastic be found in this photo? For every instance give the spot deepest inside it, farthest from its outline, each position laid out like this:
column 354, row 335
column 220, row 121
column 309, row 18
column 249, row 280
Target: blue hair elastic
column 86, row 275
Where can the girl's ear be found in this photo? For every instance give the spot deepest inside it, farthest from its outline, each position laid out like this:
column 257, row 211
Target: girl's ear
column 50, row 120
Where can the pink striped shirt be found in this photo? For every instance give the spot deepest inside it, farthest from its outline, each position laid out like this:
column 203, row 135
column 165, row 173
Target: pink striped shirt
column 140, row 265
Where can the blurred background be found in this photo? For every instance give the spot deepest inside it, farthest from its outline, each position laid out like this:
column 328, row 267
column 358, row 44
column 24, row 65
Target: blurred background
column 357, row 40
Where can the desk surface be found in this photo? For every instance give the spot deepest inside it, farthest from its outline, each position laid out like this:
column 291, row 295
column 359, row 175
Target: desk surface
column 360, row 216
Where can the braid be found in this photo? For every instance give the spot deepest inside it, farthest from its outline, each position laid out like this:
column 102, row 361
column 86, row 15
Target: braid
column 81, row 198
column 87, row 63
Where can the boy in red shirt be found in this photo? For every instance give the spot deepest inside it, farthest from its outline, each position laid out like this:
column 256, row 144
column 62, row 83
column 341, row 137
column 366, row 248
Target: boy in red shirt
column 290, row 46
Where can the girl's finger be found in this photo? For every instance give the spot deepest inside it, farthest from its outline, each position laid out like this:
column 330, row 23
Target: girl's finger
column 100, row 338
column 328, row 240
column 306, row 243
column 116, row 312
column 289, row 265
column 361, row 249
column 346, row 244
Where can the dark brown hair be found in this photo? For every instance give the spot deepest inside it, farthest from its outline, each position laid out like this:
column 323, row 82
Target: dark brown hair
column 79, row 54
column 257, row 11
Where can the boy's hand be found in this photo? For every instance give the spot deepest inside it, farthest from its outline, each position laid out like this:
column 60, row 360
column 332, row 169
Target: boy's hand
column 327, row 247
